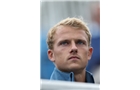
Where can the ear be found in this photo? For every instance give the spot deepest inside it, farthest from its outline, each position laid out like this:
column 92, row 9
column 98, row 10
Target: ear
column 51, row 55
column 90, row 52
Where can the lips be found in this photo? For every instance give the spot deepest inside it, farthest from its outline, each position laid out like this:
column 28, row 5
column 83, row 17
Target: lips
column 73, row 57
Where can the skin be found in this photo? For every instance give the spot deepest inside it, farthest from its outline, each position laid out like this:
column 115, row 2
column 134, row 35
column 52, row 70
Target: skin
column 71, row 51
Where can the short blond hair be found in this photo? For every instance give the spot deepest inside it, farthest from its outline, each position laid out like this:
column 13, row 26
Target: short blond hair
column 72, row 22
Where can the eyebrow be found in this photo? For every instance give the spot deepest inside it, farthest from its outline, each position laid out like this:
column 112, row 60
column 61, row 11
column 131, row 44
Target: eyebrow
column 63, row 40
column 82, row 41
column 74, row 40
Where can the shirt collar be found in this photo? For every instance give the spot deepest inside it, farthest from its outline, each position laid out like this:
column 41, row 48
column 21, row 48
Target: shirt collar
column 59, row 75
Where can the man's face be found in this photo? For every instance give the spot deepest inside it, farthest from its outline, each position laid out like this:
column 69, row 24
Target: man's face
column 70, row 50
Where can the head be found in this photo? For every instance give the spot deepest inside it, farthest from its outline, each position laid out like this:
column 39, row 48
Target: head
column 69, row 45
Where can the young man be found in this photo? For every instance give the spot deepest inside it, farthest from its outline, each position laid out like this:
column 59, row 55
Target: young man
column 69, row 48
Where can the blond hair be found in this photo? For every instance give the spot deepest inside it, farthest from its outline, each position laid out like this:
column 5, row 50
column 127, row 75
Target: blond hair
column 73, row 22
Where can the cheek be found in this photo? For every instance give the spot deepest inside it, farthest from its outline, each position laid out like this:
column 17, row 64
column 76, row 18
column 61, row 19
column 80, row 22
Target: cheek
column 86, row 54
column 57, row 54
column 84, row 51
column 60, row 54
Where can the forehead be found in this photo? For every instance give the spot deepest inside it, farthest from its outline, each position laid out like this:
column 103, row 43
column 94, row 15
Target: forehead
column 67, row 32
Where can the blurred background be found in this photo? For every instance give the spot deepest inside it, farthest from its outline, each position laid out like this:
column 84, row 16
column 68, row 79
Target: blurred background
column 54, row 11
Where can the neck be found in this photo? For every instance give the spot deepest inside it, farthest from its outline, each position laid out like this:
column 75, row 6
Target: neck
column 80, row 76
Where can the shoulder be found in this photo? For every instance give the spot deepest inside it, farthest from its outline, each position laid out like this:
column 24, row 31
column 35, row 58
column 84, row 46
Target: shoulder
column 89, row 77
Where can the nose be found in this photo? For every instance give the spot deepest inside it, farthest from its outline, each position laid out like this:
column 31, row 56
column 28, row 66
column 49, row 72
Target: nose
column 73, row 48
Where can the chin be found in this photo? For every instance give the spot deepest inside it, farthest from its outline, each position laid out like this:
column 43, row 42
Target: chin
column 74, row 67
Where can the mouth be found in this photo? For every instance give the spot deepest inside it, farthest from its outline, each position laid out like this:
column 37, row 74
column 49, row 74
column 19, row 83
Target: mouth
column 73, row 58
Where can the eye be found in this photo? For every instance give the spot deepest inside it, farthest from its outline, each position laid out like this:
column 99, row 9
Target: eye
column 80, row 42
column 64, row 43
